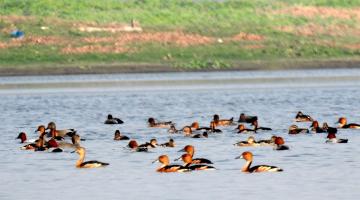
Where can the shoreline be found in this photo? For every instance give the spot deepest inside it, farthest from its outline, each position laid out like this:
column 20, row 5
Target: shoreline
column 122, row 68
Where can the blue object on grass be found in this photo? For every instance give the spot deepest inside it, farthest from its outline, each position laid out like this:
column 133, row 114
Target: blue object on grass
column 17, row 34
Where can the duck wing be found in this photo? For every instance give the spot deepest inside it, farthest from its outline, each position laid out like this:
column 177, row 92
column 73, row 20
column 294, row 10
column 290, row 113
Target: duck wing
column 201, row 161
column 265, row 168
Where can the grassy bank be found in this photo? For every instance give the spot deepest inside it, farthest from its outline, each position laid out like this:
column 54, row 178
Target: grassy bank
column 180, row 34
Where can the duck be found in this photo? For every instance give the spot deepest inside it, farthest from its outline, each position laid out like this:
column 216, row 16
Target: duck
column 248, row 156
column 61, row 133
column 331, row 137
column 75, row 142
column 118, row 136
column 213, row 128
column 166, row 167
column 249, row 142
column 22, row 137
column 53, row 146
column 133, row 145
column 171, row 143
column 191, row 150
column 88, row 164
column 187, row 131
column 270, row 141
column 196, row 127
column 222, row 122
column 256, row 126
column 188, row 163
column 300, row 117
column 152, row 144
column 280, row 144
column 294, row 129
column 172, row 129
column 201, row 135
column 343, row 124
column 242, row 129
column 246, row 119
column 113, row 120
column 316, row 127
column 154, row 124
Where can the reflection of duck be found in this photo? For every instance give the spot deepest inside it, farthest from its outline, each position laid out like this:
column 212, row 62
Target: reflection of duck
column 88, row 164
column 293, row 129
column 249, row 142
column 301, row 117
column 332, row 137
column 154, row 124
column 166, row 167
column 248, row 156
column 118, row 136
column 343, row 124
column 113, row 120
column 191, row 150
column 188, row 163
column 246, row 119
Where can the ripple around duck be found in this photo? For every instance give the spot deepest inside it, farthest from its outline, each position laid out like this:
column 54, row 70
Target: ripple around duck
column 310, row 165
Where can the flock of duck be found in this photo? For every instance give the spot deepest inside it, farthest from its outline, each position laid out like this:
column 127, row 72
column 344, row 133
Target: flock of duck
column 53, row 140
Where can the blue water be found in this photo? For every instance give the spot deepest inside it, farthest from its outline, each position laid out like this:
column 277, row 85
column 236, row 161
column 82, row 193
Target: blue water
column 312, row 169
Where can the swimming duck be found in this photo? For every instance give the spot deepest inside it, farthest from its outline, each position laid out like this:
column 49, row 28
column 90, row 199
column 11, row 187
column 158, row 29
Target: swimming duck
column 279, row 144
column 171, row 143
column 248, row 156
column 113, row 120
column 316, row 128
column 154, row 124
column 188, row 163
column 118, row 136
column 152, row 144
column 191, row 150
column 300, row 117
column 293, row 129
column 22, row 137
column 343, row 124
column 133, row 145
column 196, row 127
column 249, row 142
column 213, row 128
column 201, row 135
column 61, row 133
column 332, row 137
column 241, row 129
column 256, row 126
column 172, row 129
column 88, row 164
column 187, row 131
column 246, row 119
column 75, row 142
column 166, row 167
column 222, row 122
column 271, row 141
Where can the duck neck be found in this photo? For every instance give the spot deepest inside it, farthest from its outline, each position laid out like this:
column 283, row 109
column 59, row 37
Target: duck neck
column 246, row 166
column 80, row 160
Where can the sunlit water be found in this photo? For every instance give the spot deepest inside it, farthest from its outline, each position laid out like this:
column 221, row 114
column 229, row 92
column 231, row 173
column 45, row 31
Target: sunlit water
column 312, row 169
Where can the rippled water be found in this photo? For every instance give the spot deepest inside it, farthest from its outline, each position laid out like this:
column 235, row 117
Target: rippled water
column 312, row 169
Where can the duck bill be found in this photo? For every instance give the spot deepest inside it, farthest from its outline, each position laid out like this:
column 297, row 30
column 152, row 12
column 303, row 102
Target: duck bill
column 239, row 157
column 182, row 150
column 155, row 161
column 177, row 158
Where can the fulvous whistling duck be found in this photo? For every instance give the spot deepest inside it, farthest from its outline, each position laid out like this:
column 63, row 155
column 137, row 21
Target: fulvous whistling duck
column 249, row 142
column 171, row 143
column 332, row 137
column 222, row 122
column 279, row 144
column 300, row 117
column 113, row 120
column 246, row 119
column 133, row 145
column 241, row 129
column 188, row 163
column 88, row 164
column 248, row 156
column 154, row 124
column 191, row 150
column 293, row 129
column 61, row 133
column 166, row 167
column 22, row 137
column 343, row 124
column 316, row 128
column 118, row 136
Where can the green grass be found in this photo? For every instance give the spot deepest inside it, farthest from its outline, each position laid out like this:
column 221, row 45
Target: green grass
column 218, row 19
